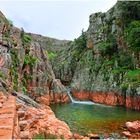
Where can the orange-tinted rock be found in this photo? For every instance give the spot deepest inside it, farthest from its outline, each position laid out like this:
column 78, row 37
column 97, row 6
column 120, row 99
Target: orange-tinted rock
column 61, row 98
column 93, row 136
column 133, row 102
column 104, row 98
column 18, row 106
column 5, row 134
column 53, row 98
column 121, row 100
column 2, row 97
column 108, row 98
column 25, row 134
column 127, row 133
column 77, row 136
column 82, row 95
column 133, row 126
column 43, row 120
column 21, row 114
column 8, row 118
column 23, row 124
column 45, row 100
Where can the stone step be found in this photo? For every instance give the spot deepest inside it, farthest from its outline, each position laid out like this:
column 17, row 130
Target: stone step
column 7, row 117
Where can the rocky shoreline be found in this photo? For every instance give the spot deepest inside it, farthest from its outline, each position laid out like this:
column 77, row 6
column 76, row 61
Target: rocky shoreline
column 108, row 98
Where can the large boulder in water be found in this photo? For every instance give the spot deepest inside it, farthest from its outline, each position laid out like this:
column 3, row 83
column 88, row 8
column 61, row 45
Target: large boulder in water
column 133, row 126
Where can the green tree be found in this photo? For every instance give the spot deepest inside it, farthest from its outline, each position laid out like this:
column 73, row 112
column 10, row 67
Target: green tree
column 133, row 35
column 82, row 40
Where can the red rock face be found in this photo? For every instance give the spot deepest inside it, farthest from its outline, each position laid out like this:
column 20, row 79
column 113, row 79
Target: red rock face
column 41, row 121
column 108, row 98
column 133, row 102
column 53, row 98
column 9, row 128
column 103, row 98
column 81, row 95
column 61, row 98
column 44, row 99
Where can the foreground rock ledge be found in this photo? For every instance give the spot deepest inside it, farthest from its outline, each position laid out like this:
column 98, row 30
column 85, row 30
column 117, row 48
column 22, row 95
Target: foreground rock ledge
column 133, row 130
column 25, row 121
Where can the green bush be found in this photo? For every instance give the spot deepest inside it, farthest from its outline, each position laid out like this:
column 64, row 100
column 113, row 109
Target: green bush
column 51, row 55
column 27, row 39
column 24, row 89
column 124, row 60
column 14, row 67
column 81, row 41
column 29, row 60
column 46, row 136
column 106, row 48
column 132, row 34
column 1, row 74
column 124, row 86
column 109, row 47
column 39, row 136
column 119, row 70
column 133, row 76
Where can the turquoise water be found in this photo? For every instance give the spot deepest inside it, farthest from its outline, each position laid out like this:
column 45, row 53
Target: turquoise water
column 100, row 119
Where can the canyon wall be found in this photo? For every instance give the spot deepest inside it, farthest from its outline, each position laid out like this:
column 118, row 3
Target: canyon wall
column 103, row 61
column 24, row 63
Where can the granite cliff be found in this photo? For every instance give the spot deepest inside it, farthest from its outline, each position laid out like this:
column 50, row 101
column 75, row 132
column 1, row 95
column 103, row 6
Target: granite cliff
column 103, row 63
column 25, row 65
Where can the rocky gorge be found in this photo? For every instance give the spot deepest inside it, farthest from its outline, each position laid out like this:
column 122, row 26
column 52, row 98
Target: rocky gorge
column 102, row 65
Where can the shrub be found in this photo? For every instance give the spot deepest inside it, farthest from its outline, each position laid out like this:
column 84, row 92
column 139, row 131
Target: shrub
column 106, row 48
column 133, row 74
column 132, row 34
column 24, row 89
column 51, row 55
column 81, row 41
column 125, row 60
column 14, row 67
column 29, row 60
column 27, row 39
column 109, row 47
column 133, row 77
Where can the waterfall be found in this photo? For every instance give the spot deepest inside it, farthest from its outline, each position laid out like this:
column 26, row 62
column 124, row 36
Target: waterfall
column 79, row 102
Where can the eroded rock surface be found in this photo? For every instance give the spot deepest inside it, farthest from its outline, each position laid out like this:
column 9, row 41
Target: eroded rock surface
column 133, row 130
column 18, row 120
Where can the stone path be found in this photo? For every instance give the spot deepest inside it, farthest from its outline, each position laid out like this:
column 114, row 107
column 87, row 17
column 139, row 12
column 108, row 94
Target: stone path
column 8, row 118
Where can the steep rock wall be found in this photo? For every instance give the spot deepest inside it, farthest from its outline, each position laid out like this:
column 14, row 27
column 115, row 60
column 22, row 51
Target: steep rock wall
column 101, row 60
column 24, row 63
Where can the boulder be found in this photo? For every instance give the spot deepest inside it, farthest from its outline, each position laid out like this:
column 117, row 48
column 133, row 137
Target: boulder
column 126, row 133
column 133, row 126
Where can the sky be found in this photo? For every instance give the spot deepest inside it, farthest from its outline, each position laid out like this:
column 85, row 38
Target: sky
column 62, row 19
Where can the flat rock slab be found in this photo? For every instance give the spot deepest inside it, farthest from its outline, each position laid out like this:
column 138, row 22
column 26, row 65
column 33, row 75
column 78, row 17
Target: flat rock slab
column 7, row 117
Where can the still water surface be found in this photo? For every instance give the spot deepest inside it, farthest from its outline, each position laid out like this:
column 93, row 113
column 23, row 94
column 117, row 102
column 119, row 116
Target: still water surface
column 85, row 119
